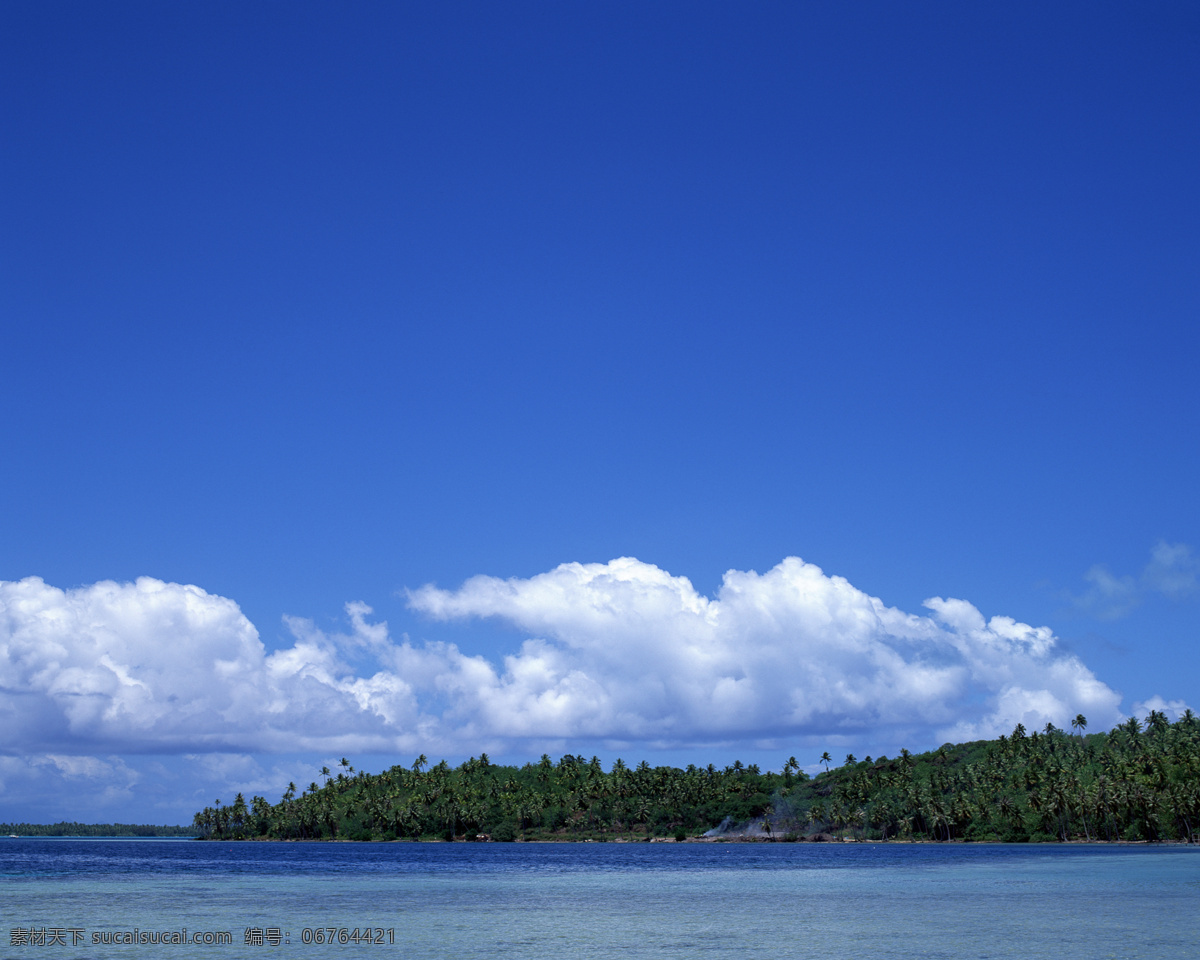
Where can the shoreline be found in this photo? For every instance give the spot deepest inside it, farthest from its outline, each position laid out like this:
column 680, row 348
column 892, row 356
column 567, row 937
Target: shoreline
column 823, row 841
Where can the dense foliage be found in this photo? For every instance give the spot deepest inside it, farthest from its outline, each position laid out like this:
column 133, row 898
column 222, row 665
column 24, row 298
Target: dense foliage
column 1129, row 784
column 93, row 830
column 571, row 799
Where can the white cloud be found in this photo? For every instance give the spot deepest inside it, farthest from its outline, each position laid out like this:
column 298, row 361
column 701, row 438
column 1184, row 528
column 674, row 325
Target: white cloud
column 160, row 667
column 629, row 652
column 621, row 651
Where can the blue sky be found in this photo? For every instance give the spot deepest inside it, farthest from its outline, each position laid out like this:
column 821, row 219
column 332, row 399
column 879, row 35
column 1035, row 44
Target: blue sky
column 616, row 379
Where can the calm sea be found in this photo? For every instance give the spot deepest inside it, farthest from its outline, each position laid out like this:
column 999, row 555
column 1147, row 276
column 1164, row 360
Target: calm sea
column 63, row 898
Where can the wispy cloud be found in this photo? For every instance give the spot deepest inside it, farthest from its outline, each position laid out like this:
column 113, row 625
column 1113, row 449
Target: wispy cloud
column 1172, row 572
column 41, row 781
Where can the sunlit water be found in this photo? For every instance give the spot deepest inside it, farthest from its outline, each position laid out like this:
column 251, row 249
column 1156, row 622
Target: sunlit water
column 514, row 901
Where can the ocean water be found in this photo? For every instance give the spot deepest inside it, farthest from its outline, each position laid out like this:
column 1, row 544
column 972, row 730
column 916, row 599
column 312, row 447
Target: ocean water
column 514, row 901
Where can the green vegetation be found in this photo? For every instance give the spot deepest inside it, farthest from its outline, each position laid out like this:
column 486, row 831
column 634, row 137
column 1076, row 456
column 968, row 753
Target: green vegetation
column 1129, row 784
column 573, row 799
column 93, row 830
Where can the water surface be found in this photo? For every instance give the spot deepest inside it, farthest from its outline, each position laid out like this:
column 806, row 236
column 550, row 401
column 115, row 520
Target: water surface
column 513, row 901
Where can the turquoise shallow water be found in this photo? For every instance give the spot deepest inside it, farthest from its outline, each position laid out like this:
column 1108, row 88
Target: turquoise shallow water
column 605, row 900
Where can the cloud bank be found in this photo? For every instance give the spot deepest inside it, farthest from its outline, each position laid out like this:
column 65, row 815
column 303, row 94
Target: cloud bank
column 621, row 652
column 154, row 667
column 625, row 650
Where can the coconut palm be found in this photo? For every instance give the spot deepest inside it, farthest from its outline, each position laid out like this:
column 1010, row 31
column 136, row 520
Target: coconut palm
column 1080, row 724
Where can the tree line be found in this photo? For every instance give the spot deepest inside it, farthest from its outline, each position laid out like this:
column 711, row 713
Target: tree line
column 72, row 829
column 1132, row 783
column 573, row 798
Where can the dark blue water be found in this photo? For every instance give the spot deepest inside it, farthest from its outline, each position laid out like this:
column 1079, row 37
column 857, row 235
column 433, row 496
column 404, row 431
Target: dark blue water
column 601, row 900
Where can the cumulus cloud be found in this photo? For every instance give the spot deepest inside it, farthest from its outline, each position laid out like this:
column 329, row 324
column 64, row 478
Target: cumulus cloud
column 616, row 652
column 625, row 650
column 1172, row 572
column 158, row 667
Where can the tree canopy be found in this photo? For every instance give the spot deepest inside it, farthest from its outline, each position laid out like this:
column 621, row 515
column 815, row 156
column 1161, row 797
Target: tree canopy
column 1128, row 784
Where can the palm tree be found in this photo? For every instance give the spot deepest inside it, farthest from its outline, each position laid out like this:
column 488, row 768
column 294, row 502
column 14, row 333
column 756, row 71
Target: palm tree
column 202, row 821
column 1157, row 721
column 237, row 814
column 1080, row 724
column 826, row 759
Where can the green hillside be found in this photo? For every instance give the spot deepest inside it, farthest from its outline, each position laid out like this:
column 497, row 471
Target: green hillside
column 1128, row 784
